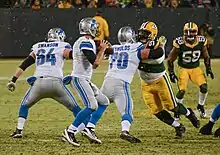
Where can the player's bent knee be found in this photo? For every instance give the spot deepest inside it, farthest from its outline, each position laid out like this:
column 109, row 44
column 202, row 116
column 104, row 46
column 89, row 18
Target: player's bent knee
column 127, row 117
column 93, row 106
column 180, row 94
column 204, row 88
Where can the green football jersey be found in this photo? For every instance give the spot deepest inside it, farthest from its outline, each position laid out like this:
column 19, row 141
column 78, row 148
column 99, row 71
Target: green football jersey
column 189, row 54
column 152, row 66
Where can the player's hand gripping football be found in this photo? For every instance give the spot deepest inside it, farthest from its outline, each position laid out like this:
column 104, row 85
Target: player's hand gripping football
column 209, row 72
column 104, row 44
column 173, row 77
column 11, row 86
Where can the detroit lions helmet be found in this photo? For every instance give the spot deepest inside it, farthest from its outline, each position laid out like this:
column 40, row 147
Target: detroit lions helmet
column 89, row 26
column 126, row 35
column 56, row 34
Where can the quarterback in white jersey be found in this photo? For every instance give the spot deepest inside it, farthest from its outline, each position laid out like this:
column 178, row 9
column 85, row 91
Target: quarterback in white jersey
column 85, row 59
column 122, row 67
column 47, row 80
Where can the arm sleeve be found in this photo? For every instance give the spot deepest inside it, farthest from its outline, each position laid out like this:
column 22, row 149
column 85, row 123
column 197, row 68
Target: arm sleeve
column 139, row 49
column 27, row 62
column 156, row 53
column 86, row 46
column 90, row 55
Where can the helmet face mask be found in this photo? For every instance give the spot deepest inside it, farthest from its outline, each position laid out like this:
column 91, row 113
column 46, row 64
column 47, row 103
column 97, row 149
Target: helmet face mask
column 190, row 31
column 148, row 31
column 126, row 35
column 143, row 36
column 89, row 26
column 56, row 34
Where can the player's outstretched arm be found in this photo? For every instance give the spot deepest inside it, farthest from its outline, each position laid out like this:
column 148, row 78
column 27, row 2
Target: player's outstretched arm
column 170, row 63
column 19, row 71
column 103, row 46
column 207, row 62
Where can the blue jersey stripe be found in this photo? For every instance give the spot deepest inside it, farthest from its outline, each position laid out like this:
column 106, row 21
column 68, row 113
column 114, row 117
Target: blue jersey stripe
column 86, row 45
column 141, row 47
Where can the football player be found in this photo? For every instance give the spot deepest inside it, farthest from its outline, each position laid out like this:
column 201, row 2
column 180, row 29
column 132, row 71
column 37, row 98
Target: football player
column 122, row 67
column 156, row 88
column 47, row 80
column 188, row 48
column 85, row 59
column 207, row 128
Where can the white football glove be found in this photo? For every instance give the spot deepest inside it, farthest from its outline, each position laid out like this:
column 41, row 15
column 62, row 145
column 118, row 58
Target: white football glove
column 11, row 86
column 162, row 41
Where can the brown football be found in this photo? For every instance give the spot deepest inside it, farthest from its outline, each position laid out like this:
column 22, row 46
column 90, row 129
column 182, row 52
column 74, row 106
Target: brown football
column 109, row 51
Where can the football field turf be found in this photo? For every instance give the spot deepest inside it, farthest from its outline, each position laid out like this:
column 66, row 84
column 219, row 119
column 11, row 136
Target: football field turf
column 47, row 120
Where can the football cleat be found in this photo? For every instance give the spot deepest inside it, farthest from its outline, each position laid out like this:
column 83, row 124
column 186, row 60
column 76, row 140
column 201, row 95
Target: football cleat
column 180, row 130
column 193, row 119
column 206, row 129
column 201, row 110
column 16, row 134
column 217, row 133
column 90, row 134
column 126, row 136
column 70, row 137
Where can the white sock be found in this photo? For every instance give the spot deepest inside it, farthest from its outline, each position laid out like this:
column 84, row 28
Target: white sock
column 81, row 127
column 90, row 125
column 179, row 100
column 212, row 120
column 72, row 129
column 187, row 112
column 175, row 124
column 125, row 125
column 202, row 98
column 21, row 122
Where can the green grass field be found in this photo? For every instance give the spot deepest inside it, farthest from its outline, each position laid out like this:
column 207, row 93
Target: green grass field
column 47, row 120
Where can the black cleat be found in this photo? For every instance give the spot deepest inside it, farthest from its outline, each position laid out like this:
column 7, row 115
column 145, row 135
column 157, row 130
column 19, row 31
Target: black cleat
column 90, row 134
column 207, row 129
column 193, row 119
column 201, row 110
column 16, row 134
column 180, row 130
column 217, row 133
column 126, row 136
column 70, row 137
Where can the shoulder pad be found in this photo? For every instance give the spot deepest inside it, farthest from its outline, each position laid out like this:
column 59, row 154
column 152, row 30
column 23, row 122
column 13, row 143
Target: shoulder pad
column 201, row 38
column 178, row 42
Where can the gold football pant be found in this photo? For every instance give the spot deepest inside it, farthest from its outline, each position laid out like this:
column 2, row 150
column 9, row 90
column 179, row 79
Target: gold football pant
column 196, row 75
column 158, row 95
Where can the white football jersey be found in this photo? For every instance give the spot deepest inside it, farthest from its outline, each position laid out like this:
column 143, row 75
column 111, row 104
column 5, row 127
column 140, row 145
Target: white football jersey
column 82, row 68
column 49, row 58
column 124, row 62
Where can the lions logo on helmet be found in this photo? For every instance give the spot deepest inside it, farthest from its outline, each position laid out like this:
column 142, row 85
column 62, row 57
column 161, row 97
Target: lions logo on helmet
column 148, row 31
column 89, row 26
column 190, row 31
column 126, row 35
column 56, row 34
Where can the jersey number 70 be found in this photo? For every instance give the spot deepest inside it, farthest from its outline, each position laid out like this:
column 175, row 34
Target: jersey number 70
column 121, row 60
column 44, row 56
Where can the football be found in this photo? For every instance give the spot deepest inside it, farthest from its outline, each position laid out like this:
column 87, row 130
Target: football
column 109, row 50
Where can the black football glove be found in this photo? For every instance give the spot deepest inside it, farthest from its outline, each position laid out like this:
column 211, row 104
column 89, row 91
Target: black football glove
column 173, row 77
column 209, row 72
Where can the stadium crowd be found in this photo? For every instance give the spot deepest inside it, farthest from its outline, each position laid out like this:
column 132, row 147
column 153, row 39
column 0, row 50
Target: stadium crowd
column 38, row 4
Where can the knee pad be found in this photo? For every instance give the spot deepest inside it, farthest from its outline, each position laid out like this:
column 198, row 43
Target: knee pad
column 204, row 88
column 180, row 94
column 127, row 117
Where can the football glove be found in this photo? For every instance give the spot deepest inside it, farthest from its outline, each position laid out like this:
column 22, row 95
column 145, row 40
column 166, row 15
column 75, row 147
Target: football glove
column 11, row 86
column 173, row 77
column 209, row 72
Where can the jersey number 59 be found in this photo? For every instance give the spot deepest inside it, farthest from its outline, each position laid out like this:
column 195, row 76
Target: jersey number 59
column 44, row 56
column 191, row 56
